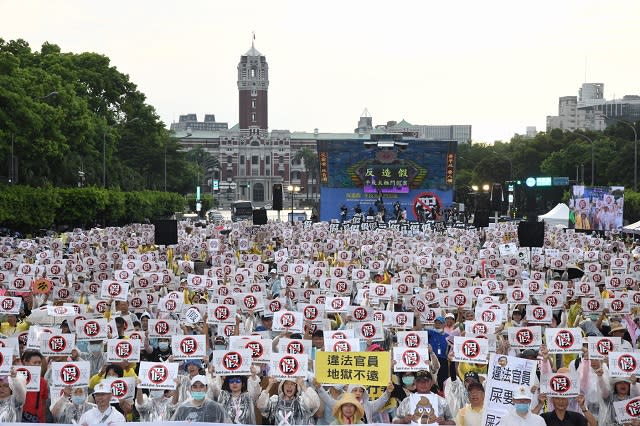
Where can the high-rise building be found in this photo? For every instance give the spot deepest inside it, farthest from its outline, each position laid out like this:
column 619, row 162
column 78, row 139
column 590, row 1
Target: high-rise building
column 253, row 86
column 189, row 122
column 591, row 111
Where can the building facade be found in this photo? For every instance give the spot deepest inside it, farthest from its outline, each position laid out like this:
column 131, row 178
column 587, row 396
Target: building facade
column 252, row 158
column 591, row 111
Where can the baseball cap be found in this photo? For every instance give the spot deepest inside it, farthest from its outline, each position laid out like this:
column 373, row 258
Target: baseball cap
column 101, row 387
column 199, row 378
column 440, row 319
column 522, row 393
column 450, row 315
column 273, row 271
column 471, row 375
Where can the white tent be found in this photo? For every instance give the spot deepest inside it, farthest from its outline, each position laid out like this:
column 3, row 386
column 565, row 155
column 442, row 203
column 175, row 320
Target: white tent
column 559, row 215
column 634, row 228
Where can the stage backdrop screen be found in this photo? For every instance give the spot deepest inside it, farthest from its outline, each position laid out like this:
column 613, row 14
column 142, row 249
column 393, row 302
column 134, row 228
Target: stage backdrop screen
column 596, row 208
column 361, row 172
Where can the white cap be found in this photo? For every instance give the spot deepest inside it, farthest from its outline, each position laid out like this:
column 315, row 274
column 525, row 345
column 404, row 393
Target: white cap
column 450, row 315
column 199, row 378
column 522, row 393
column 101, row 387
column 273, row 271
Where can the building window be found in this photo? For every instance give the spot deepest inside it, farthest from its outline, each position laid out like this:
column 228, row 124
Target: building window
column 253, row 73
column 253, row 103
column 229, row 159
column 253, row 117
column 242, row 159
column 267, row 159
column 258, row 192
column 281, row 159
column 254, row 160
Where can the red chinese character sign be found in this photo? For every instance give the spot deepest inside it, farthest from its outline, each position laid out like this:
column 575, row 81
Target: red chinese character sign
column 234, row 362
column 564, row 340
column 288, row 366
column 158, row 375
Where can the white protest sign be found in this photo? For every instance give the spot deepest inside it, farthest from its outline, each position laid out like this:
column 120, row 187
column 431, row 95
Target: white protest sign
column 72, row 373
column 600, row 346
column 57, row 344
column 538, row 314
column 294, row 346
column 592, row 306
column 336, row 305
column 221, row 314
column 471, row 350
column 91, row 329
column 121, row 387
column 116, row 290
column 6, row 360
column 60, row 311
column 31, row 375
column 564, row 385
column 564, row 340
column 627, row 410
column 234, row 362
column 506, row 376
column 188, row 346
column 260, row 348
column 288, row 366
column 119, row 350
column 410, row 359
column 525, row 337
column 371, row 330
column 412, row 339
column 10, row 305
column 162, row 328
column 288, row 321
column 342, row 345
column 347, row 333
column 624, row 364
column 158, row 375
column 399, row 320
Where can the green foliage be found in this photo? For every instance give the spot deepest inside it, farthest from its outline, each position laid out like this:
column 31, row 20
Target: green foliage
column 27, row 209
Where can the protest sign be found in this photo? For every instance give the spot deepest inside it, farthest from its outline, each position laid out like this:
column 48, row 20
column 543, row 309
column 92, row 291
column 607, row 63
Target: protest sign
column 600, row 346
column 363, row 368
column 233, row 362
column 288, row 321
column 471, row 350
column 371, row 330
column 71, row 373
column 289, row 366
column 57, row 343
column 412, row 339
column 624, row 364
column 188, row 346
column 525, row 337
column 119, row 350
column 10, row 305
column 410, row 359
column 31, row 376
column 341, row 345
column 564, row 340
column 260, row 348
column 6, row 360
column 627, row 410
column 121, row 387
column 294, row 346
column 158, row 375
column 162, row 328
column 564, row 385
column 91, row 329
column 506, row 376
column 116, row 290
column 539, row 314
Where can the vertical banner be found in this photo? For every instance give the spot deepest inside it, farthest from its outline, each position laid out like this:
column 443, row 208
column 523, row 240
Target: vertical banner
column 506, row 375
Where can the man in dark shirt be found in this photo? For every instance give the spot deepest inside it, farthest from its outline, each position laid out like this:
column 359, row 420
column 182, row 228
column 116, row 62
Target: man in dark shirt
column 560, row 416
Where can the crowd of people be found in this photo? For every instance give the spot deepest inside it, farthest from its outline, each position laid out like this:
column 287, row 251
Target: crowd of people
column 61, row 282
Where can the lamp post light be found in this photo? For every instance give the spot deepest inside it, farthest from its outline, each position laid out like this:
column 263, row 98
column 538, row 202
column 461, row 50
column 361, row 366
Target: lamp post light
column 293, row 189
column 593, row 180
column 635, row 147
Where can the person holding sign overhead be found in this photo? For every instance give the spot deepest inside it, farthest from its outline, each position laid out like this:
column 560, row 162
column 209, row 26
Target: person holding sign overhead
column 294, row 404
column 12, row 396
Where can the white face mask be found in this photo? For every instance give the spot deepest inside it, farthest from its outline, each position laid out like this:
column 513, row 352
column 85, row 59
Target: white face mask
column 156, row 393
column 95, row 347
column 220, row 347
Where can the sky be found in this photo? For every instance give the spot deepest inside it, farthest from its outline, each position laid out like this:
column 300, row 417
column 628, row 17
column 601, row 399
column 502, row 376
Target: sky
column 497, row 65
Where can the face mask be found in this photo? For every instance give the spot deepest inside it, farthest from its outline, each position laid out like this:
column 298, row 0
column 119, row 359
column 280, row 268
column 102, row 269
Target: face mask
column 198, row 396
column 156, row 393
column 220, row 347
column 408, row 380
column 163, row 346
column 77, row 399
column 95, row 347
column 522, row 408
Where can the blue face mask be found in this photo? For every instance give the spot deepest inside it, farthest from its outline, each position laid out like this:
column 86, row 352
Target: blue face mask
column 408, row 380
column 522, row 408
column 163, row 346
column 198, row 396
column 77, row 399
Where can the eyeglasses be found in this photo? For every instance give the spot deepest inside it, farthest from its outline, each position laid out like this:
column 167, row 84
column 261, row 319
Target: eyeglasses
column 234, row 380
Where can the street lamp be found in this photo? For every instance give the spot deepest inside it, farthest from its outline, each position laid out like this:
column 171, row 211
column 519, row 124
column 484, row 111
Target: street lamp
column 592, row 157
column 104, row 149
column 635, row 147
column 293, row 189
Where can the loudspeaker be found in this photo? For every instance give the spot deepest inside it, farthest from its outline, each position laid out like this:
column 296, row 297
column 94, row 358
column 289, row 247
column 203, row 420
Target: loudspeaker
column 496, row 197
column 259, row 217
column 481, row 219
column 166, row 232
column 277, row 196
column 531, row 234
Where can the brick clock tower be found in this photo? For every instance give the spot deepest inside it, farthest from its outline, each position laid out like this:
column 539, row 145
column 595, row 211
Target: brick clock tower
column 253, row 85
